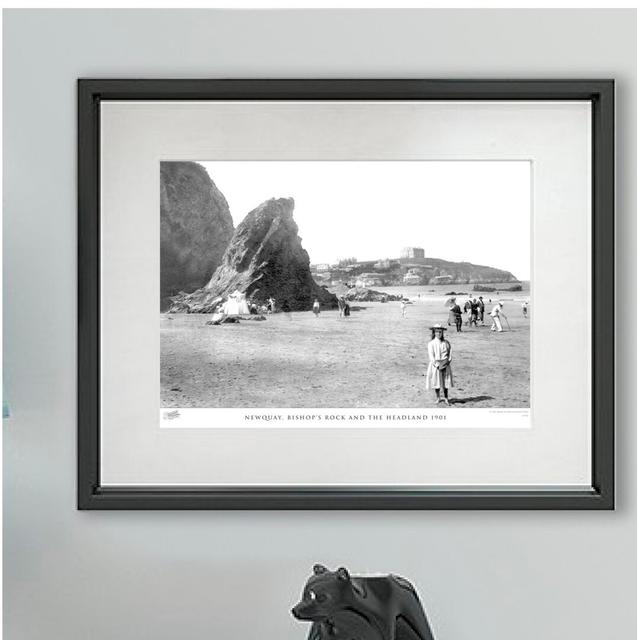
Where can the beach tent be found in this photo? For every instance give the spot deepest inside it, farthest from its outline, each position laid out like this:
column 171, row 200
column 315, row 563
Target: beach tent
column 236, row 305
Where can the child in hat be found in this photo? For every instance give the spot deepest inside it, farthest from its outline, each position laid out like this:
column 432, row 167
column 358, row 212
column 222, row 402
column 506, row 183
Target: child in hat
column 439, row 374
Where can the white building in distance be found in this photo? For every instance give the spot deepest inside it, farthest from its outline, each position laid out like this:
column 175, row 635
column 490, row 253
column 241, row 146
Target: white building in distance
column 411, row 253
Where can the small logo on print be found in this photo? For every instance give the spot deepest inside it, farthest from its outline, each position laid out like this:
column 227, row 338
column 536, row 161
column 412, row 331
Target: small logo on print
column 171, row 415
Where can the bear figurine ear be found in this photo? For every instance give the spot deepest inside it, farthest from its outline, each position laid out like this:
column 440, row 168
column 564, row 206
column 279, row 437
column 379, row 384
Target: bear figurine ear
column 318, row 569
column 343, row 574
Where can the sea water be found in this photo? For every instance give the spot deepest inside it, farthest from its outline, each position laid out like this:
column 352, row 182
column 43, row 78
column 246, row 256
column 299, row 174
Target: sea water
column 435, row 291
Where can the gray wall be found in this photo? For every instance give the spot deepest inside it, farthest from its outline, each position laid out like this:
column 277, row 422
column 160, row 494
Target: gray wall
column 72, row 575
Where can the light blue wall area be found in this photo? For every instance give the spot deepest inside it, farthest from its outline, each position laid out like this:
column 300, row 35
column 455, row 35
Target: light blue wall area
column 164, row 576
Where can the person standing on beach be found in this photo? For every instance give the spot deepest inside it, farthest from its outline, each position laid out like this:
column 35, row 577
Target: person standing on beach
column 316, row 307
column 455, row 312
column 525, row 308
column 271, row 305
column 481, row 309
column 403, row 307
column 439, row 373
column 496, row 314
column 474, row 313
column 467, row 310
column 341, row 304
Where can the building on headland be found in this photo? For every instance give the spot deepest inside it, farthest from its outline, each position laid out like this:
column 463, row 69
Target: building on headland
column 411, row 278
column 411, row 253
column 443, row 279
column 412, row 256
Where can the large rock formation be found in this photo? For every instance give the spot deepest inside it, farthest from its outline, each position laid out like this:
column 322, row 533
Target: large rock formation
column 264, row 259
column 195, row 228
column 362, row 294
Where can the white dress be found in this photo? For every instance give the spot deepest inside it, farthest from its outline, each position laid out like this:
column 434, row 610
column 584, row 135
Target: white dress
column 439, row 354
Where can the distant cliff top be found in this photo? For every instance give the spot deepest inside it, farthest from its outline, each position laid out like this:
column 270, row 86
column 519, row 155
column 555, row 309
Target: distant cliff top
column 429, row 270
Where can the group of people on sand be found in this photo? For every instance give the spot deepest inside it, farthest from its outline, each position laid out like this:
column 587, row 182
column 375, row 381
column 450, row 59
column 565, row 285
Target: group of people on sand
column 220, row 316
column 344, row 310
column 474, row 309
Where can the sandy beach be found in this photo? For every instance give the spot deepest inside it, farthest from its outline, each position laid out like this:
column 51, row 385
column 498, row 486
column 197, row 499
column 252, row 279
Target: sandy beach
column 374, row 358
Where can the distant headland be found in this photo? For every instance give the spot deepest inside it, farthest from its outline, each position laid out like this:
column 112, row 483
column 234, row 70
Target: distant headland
column 410, row 268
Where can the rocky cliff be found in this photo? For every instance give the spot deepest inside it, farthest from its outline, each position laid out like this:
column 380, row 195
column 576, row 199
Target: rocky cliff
column 195, row 228
column 264, row 259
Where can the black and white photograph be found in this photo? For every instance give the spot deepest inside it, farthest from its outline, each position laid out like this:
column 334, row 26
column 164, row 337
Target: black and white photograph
column 395, row 285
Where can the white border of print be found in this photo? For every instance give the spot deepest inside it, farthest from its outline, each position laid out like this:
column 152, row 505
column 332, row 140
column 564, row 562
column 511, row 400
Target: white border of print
column 269, row 418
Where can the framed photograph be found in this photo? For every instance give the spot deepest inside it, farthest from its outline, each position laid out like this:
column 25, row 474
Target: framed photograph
column 345, row 294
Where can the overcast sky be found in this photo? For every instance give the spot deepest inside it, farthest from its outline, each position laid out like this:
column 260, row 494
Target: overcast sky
column 476, row 211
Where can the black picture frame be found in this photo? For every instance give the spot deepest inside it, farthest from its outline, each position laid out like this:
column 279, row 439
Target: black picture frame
column 91, row 495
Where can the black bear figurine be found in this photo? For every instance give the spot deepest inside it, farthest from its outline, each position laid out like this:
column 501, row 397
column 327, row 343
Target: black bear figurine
column 344, row 607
